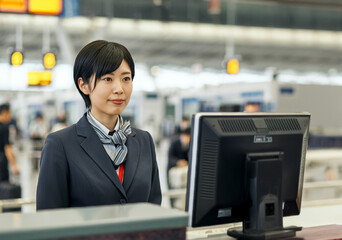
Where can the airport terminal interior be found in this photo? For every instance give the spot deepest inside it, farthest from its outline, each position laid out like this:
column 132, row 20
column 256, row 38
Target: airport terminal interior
column 190, row 56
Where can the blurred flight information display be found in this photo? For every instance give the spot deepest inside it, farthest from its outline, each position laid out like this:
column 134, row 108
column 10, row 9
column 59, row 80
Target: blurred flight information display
column 50, row 7
column 17, row 6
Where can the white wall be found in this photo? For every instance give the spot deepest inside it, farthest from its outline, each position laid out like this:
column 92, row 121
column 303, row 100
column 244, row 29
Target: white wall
column 322, row 101
column 148, row 111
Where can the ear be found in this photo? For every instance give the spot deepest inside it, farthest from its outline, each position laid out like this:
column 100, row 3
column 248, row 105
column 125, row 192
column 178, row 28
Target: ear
column 84, row 87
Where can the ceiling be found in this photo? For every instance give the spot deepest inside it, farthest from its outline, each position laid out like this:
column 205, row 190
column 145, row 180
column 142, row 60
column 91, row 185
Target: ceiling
column 265, row 34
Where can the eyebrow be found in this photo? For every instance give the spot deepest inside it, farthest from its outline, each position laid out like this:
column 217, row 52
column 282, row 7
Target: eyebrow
column 124, row 73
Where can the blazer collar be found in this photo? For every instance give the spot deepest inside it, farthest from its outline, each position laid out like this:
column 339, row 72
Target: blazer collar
column 92, row 145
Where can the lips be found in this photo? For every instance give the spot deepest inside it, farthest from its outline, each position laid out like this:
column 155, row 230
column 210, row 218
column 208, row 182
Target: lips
column 117, row 101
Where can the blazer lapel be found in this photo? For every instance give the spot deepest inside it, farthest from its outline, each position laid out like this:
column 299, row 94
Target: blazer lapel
column 132, row 160
column 94, row 148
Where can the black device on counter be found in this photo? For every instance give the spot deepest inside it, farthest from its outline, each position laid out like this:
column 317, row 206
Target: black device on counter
column 247, row 167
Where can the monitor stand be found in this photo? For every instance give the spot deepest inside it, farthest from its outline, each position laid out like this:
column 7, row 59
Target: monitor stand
column 284, row 233
column 265, row 216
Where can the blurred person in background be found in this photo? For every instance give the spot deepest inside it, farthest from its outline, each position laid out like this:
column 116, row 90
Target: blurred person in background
column 184, row 124
column 101, row 159
column 252, row 107
column 177, row 168
column 6, row 150
column 178, row 151
column 38, row 129
column 178, row 154
column 15, row 131
column 61, row 123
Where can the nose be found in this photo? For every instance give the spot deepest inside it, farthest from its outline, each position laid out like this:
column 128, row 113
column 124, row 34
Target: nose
column 117, row 87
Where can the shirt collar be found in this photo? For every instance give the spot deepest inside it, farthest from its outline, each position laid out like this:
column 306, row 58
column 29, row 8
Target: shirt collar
column 102, row 127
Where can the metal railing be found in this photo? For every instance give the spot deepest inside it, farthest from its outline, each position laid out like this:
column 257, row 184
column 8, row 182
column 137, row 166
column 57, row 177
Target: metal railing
column 323, row 184
column 181, row 192
column 14, row 203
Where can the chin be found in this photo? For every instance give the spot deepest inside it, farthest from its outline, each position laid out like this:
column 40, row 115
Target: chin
column 114, row 113
column 115, row 110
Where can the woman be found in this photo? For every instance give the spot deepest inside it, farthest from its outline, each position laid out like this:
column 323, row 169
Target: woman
column 99, row 160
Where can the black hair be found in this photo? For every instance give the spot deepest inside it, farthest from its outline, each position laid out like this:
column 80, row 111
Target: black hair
column 4, row 107
column 186, row 131
column 253, row 103
column 185, row 118
column 39, row 115
column 99, row 57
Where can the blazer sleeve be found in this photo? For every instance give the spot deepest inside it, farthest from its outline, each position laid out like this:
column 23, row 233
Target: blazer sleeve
column 155, row 195
column 52, row 188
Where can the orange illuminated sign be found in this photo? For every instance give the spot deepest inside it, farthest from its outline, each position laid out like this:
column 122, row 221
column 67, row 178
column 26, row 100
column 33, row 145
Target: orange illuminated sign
column 19, row 6
column 50, row 7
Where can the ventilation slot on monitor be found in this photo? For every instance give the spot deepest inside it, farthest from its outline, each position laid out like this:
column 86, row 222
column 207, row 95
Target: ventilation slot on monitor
column 282, row 124
column 237, row 125
column 208, row 169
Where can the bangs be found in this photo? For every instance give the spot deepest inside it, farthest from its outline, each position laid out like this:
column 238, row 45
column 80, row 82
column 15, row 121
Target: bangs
column 108, row 60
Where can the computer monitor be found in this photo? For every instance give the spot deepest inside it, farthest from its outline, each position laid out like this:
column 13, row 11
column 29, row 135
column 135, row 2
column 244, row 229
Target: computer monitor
column 247, row 167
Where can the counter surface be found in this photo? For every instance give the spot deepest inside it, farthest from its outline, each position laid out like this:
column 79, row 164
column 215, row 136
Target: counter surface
column 61, row 223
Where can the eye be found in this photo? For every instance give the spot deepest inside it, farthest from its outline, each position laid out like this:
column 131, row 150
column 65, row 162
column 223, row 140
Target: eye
column 126, row 79
column 107, row 79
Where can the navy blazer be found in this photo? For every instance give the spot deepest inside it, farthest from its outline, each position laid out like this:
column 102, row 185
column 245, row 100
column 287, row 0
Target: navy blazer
column 76, row 171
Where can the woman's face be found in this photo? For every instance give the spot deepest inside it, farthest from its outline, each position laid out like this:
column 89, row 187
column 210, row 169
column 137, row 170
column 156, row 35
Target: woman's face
column 112, row 93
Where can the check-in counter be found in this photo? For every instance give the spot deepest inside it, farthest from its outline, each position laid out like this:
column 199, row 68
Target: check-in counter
column 130, row 221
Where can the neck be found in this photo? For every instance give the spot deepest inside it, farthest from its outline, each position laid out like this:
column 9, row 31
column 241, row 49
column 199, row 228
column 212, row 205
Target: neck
column 108, row 121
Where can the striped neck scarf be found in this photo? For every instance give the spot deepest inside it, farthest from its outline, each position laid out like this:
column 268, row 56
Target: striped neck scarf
column 114, row 144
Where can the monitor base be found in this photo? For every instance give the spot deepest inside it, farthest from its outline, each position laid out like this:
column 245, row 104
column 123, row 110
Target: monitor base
column 238, row 233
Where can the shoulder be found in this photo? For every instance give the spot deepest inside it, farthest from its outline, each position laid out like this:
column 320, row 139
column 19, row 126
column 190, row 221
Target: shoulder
column 142, row 136
column 61, row 140
column 143, row 139
column 4, row 130
column 141, row 133
column 64, row 134
column 3, row 126
column 65, row 131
